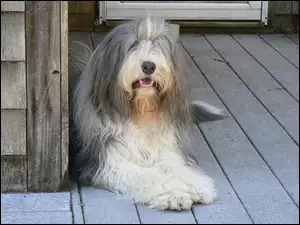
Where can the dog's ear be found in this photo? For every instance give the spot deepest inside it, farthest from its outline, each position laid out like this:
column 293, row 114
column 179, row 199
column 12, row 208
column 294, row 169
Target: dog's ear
column 103, row 69
column 204, row 112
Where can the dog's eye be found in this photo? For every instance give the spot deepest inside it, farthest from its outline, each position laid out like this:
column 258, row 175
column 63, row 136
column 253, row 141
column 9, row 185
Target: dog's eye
column 133, row 45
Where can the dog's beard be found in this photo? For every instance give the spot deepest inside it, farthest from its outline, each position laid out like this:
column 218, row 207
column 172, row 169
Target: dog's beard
column 146, row 98
column 145, row 108
column 146, row 102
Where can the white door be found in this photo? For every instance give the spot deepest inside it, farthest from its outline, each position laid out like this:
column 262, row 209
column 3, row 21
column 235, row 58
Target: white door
column 186, row 10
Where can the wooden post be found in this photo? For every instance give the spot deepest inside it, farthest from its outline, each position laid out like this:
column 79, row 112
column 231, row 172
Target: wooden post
column 47, row 91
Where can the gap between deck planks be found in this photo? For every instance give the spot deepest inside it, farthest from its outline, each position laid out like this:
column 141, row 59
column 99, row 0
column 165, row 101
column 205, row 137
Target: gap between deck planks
column 218, row 212
column 284, row 46
column 294, row 38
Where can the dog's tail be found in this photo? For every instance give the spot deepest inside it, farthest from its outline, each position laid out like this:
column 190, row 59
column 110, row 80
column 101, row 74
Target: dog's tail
column 79, row 55
column 204, row 112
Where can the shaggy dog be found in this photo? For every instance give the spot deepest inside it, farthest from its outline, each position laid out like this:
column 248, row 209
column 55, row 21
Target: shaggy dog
column 132, row 118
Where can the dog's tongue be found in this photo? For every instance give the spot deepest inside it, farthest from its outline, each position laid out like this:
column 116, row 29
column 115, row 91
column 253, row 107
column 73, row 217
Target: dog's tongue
column 146, row 82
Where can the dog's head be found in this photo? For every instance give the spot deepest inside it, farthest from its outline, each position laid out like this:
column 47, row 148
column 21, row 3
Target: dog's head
column 150, row 60
column 139, row 60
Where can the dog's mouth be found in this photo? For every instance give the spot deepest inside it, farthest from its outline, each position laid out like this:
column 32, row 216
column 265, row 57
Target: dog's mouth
column 144, row 83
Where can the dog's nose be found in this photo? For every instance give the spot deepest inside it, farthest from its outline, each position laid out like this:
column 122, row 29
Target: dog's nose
column 148, row 67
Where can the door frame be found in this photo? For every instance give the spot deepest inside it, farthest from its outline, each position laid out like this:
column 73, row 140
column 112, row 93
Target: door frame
column 251, row 11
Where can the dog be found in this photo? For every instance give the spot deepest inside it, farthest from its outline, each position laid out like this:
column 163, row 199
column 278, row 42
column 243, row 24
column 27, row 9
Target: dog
column 132, row 117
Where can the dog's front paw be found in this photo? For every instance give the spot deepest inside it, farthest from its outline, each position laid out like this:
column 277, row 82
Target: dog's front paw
column 173, row 200
column 172, row 195
column 203, row 195
column 203, row 190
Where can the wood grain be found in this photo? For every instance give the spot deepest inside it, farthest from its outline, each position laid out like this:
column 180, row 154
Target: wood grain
column 12, row 37
column 43, row 90
column 13, row 85
column 13, row 132
column 13, row 174
column 12, row 6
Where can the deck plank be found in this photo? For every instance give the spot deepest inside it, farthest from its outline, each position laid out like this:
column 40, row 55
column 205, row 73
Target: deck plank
column 280, row 68
column 261, row 193
column 294, row 37
column 101, row 206
column 284, row 45
column 153, row 216
column 278, row 102
column 35, row 202
column 37, row 218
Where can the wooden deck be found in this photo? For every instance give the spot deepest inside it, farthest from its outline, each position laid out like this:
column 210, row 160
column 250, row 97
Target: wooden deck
column 253, row 155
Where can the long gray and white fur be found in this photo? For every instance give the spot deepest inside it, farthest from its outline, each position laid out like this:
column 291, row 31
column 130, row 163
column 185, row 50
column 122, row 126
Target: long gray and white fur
column 151, row 165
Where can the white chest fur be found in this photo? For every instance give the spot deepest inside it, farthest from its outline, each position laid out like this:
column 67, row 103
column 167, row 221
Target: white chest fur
column 144, row 146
